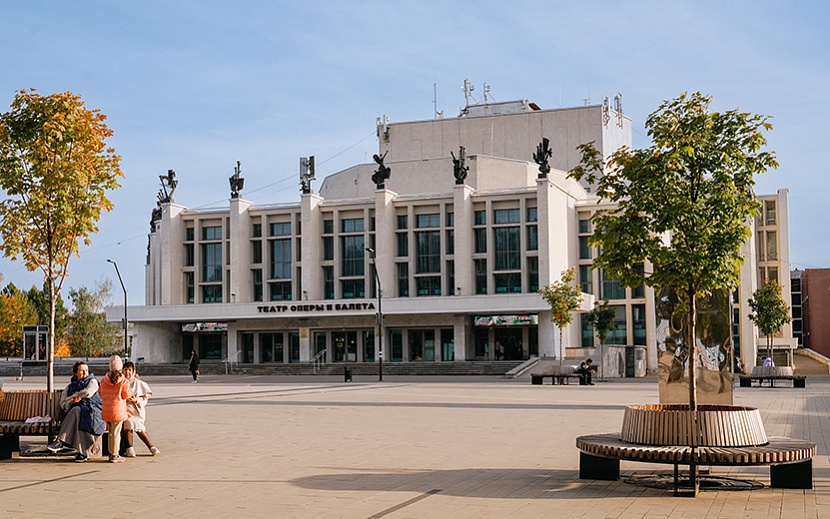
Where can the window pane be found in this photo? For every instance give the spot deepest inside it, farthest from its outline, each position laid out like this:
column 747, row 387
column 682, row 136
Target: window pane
column 402, row 239
column 532, row 237
column 352, row 225
column 532, row 274
column 281, row 229
column 532, row 214
column 611, row 288
column 481, row 276
column 211, row 262
column 586, row 279
column 403, row 280
column 507, row 248
column 584, row 249
column 584, row 226
column 428, row 286
column 212, row 233
column 328, row 226
column 281, row 259
column 353, row 255
column 480, row 217
column 425, row 221
column 428, row 253
column 480, row 239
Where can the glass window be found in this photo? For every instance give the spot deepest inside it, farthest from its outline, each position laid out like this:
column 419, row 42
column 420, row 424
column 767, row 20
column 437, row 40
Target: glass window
column 211, row 262
column 352, row 225
column 619, row 334
column 328, row 282
column 532, row 274
column 403, row 221
column 212, row 294
column 480, row 239
column 328, row 226
column 212, row 233
column 280, row 291
column 480, row 218
column 403, row 280
column 353, row 255
column 402, row 240
column 352, row 289
column 584, row 248
column 189, row 255
column 189, row 234
column 532, row 237
column 450, row 241
column 328, row 248
column 586, row 279
column 480, row 266
column 508, row 283
column 450, row 291
column 638, row 321
column 587, row 336
column 189, row 288
column 450, row 219
column 507, row 248
column 769, row 206
column 256, row 231
column 639, row 290
column 532, row 214
column 256, row 251
column 611, row 288
column 503, row 216
column 772, row 246
column 584, row 226
column 280, row 259
column 281, row 229
column 428, row 253
column 256, row 277
column 425, row 221
column 428, row 285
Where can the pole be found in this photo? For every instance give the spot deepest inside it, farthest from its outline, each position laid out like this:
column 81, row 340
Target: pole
column 125, row 303
column 371, row 252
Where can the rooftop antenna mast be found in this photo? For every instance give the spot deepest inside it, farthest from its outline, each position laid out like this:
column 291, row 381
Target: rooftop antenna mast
column 437, row 114
column 468, row 89
column 486, row 91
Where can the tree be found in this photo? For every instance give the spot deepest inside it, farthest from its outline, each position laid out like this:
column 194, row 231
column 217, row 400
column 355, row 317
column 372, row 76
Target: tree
column 601, row 318
column 769, row 311
column 16, row 311
column 40, row 299
column 89, row 334
column 56, row 169
column 681, row 204
column 563, row 297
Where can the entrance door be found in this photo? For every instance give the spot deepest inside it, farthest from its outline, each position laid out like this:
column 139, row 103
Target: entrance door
column 345, row 346
column 510, row 340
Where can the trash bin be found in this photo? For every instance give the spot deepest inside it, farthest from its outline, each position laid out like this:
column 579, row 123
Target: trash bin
column 347, row 375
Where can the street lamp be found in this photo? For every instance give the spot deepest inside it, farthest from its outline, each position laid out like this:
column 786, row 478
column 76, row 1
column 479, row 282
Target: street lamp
column 125, row 303
column 371, row 252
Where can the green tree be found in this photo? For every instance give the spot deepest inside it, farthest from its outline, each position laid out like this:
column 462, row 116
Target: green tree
column 601, row 318
column 89, row 334
column 769, row 311
column 681, row 204
column 56, row 169
column 563, row 297
column 40, row 300
column 16, row 311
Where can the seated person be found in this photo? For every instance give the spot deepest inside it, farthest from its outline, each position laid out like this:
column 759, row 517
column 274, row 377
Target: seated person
column 82, row 426
column 585, row 370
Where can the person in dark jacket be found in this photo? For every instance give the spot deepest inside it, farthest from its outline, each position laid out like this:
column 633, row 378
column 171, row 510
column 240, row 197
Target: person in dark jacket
column 82, row 426
column 193, row 366
column 586, row 369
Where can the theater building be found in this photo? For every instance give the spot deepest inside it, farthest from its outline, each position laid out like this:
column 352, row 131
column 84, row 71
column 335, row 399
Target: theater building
column 456, row 218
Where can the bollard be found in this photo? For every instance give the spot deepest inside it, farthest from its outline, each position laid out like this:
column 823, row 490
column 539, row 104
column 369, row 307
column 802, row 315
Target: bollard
column 347, row 375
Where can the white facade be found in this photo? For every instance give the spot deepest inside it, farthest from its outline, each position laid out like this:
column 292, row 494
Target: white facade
column 459, row 264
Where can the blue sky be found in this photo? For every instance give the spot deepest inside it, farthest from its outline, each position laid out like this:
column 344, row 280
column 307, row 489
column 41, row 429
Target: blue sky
column 196, row 86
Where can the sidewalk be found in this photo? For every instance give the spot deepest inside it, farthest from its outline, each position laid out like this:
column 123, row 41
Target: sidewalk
column 408, row 447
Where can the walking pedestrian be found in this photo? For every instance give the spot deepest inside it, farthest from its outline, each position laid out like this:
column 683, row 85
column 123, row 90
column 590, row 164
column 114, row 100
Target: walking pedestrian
column 193, row 366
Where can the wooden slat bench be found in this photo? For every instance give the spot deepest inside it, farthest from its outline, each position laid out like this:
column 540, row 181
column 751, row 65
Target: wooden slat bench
column 790, row 460
column 771, row 374
column 557, row 375
column 16, row 407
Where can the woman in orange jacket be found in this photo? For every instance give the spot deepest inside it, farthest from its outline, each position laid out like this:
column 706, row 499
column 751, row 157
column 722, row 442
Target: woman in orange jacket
column 114, row 390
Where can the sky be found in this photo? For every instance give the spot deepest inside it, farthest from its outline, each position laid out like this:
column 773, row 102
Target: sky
column 197, row 86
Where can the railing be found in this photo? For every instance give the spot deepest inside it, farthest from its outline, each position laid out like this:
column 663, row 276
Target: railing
column 319, row 360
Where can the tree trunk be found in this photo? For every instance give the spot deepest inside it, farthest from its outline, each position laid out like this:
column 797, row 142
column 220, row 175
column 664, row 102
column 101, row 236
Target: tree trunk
column 561, row 349
column 693, row 423
column 50, row 348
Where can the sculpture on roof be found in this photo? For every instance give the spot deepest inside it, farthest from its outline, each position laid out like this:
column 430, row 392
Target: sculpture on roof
column 543, row 153
column 382, row 173
column 306, row 174
column 168, row 187
column 459, row 169
column 236, row 181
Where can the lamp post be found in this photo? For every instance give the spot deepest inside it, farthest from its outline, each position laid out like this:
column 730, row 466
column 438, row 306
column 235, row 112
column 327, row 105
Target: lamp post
column 371, row 252
column 125, row 303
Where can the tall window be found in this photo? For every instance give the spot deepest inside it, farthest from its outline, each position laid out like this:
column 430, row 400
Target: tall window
column 480, row 267
column 639, row 290
column 480, row 232
column 189, row 288
column 328, row 282
column 611, row 288
column 280, row 259
column 211, row 262
column 769, row 209
column 189, row 255
column 532, row 274
column 618, row 336
column 353, row 255
column 256, row 278
column 328, row 248
column 508, row 253
column 403, row 280
column 402, row 242
column 586, row 283
column 428, row 244
column 638, row 320
column 256, row 251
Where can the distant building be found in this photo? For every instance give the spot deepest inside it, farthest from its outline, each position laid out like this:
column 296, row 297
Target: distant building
column 815, row 301
column 461, row 248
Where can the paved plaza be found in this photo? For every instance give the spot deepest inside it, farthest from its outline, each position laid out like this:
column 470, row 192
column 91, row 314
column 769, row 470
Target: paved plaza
column 472, row 447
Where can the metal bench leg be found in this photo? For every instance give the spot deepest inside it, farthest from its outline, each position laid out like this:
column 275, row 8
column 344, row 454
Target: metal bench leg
column 799, row 382
column 536, row 381
column 792, row 475
column 594, row 467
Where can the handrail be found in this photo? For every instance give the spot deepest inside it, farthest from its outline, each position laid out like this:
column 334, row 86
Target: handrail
column 319, row 360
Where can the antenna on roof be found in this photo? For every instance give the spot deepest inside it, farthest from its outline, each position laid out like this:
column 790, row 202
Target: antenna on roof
column 468, row 89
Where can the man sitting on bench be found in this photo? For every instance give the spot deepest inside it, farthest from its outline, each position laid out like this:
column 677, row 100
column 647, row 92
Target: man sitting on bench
column 585, row 370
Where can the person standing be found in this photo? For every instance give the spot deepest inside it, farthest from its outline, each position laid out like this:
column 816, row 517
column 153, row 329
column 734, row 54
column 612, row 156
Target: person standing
column 115, row 391
column 193, row 366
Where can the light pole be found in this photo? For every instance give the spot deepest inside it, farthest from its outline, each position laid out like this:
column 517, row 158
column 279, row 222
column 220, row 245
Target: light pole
column 125, row 303
column 371, row 252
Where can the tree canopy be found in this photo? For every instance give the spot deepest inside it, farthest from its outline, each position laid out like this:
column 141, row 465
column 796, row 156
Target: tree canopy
column 89, row 333
column 682, row 204
column 55, row 169
column 769, row 311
